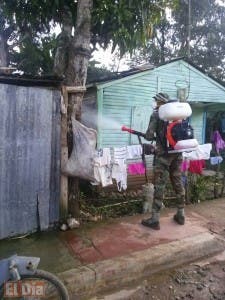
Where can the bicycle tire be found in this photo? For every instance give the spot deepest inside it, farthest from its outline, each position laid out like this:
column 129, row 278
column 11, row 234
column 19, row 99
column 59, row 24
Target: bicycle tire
column 46, row 276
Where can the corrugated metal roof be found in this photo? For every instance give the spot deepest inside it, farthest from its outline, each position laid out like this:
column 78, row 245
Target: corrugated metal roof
column 147, row 67
column 29, row 80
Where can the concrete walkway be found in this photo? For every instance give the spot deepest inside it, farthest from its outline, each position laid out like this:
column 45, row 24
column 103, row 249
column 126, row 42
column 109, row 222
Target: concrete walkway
column 98, row 257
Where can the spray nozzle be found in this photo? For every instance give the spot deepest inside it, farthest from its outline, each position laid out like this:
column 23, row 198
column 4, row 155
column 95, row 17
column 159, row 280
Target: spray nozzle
column 124, row 128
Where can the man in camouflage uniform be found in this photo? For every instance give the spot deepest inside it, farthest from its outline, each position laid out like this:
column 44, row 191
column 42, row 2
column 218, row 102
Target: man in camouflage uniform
column 165, row 165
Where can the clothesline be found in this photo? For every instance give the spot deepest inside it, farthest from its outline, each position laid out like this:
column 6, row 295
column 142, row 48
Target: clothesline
column 111, row 163
column 194, row 161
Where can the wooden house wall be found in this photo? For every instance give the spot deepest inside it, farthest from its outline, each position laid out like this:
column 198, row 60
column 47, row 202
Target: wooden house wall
column 197, row 122
column 116, row 106
column 128, row 101
column 29, row 158
column 118, row 100
column 181, row 74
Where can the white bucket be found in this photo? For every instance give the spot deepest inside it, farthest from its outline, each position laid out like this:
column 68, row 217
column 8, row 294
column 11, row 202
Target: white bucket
column 186, row 144
column 174, row 111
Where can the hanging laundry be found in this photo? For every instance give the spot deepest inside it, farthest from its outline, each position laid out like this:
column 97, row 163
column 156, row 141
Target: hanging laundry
column 103, row 157
column 136, row 169
column 119, row 168
column 184, row 180
column 103, row 175
column 196, row 166
column 134, row 151
column 119, row 173
column 185, row 165
column 216, row 160
column 218, row 141
column 103, row 167
column 201, row 152
column 119, row 154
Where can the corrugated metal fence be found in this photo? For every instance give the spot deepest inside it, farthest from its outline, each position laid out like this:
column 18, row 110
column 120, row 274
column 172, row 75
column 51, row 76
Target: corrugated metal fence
column 29, row 158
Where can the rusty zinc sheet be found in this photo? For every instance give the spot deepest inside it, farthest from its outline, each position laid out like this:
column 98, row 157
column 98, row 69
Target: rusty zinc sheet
column 29, row 158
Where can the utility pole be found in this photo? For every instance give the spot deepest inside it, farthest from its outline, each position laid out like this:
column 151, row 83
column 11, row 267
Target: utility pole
column 189, row 29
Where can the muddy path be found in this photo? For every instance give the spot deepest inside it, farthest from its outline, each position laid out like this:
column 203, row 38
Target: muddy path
column 204, row 280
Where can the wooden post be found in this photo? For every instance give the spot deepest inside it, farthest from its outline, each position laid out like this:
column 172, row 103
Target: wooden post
column 75, row 96
column 65, row 206
column 64, row 155
column 75, row 89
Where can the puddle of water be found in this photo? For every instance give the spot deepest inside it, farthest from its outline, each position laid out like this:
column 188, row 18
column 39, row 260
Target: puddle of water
column 55, row 257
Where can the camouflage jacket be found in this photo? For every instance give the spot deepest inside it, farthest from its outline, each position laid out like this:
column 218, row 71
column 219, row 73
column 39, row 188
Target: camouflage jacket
column 157, row 132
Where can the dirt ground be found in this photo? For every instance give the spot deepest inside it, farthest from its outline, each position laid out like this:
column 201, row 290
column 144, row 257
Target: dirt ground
column 192, row 282
column 198, row 281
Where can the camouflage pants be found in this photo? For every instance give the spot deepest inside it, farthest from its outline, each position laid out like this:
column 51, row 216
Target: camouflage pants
column 165, row 167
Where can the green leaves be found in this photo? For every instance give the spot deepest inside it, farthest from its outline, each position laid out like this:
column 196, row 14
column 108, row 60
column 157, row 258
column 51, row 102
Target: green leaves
column 170, row 36
column 35, row 56
column 128, row 24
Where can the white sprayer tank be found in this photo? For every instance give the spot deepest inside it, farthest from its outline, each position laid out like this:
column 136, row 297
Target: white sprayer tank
column 174, row 111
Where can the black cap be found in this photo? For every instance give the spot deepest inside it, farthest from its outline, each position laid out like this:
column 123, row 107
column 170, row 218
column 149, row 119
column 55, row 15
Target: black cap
column 162, row 97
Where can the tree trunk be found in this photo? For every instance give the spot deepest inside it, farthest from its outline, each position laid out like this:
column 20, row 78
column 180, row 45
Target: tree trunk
column 72, row 59
column 3, row 50
column 79, row 55
column 74, row 109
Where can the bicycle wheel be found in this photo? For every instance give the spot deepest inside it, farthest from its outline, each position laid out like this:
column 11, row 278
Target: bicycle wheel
column 41, row 285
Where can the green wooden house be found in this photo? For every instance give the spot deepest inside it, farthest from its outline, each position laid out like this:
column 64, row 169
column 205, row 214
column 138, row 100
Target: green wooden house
column 128, row 101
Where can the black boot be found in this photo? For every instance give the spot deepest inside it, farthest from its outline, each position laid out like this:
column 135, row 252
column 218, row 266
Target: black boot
column 179, row 219
column 152, row 222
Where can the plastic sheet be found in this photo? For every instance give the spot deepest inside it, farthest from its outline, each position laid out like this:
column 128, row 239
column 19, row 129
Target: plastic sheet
column 80, row 163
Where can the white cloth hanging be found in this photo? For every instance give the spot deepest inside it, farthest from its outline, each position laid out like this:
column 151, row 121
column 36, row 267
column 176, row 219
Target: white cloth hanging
column 103, row 157
column 216, row 160
column 119, row 173
column 134, row 151
column 119, row 153
column 201, row 152
column 103, row 175
column 103, row 167
column 119, row 168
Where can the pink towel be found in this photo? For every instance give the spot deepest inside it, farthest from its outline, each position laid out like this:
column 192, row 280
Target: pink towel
column 136, row 169
column 185, row 165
